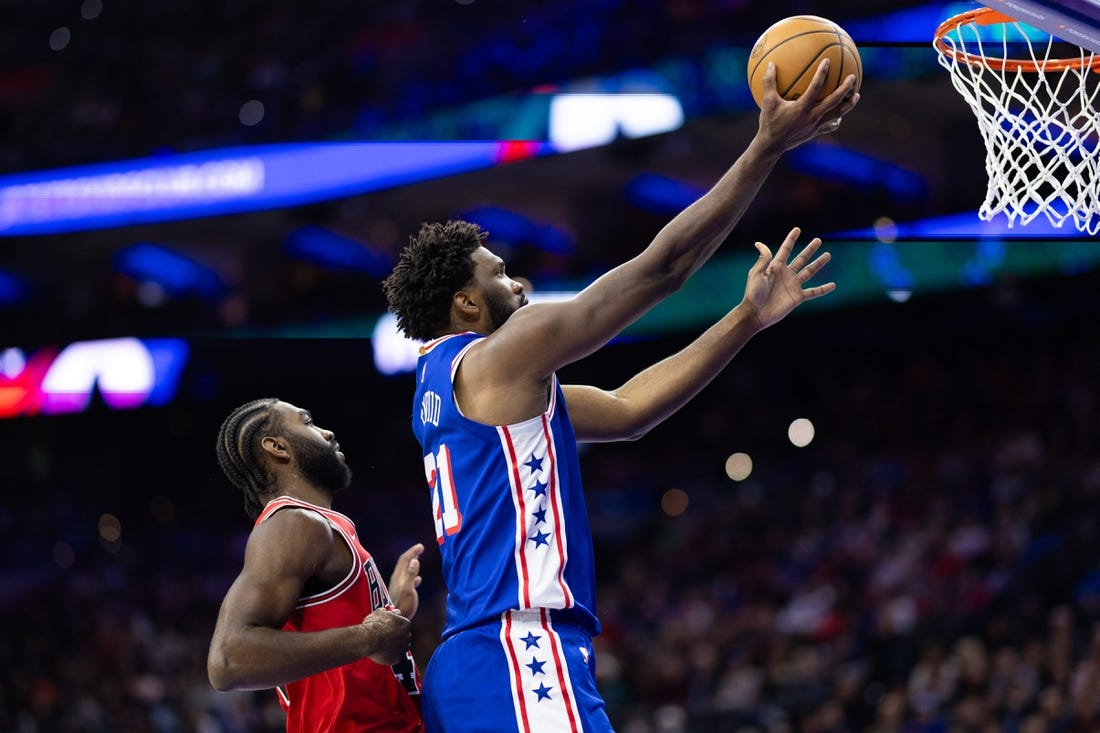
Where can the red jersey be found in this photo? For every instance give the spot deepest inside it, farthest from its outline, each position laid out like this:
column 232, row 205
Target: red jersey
column 361, row 696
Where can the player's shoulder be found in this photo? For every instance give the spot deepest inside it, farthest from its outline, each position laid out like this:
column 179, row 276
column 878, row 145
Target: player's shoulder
column 294, row 520
column 294, row 540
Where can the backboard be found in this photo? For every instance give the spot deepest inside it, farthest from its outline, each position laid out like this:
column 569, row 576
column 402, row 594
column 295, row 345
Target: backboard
column 1075, row 21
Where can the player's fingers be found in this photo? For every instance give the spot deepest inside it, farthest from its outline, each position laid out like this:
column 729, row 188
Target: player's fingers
column 764, row 258
column 784, row 250
column 818, row 291
column 768, row 79
column 813, row 91
column 410, row 555
column 844, row 93
column 807, row 272
column 804, row 256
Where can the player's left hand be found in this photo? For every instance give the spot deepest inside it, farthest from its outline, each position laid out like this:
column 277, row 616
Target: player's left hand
column 775, row 287
column 406, row 579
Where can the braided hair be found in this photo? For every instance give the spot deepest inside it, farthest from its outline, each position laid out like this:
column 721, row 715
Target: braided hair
column 239, row 453
column 433, row 266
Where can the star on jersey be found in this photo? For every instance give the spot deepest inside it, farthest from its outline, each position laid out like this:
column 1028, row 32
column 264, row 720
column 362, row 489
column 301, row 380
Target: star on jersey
column 536, row 666
column 539, row 488
column 531, row 640
column 534, row 463
column 542, row 691
column 540, row 539
column 540, row 516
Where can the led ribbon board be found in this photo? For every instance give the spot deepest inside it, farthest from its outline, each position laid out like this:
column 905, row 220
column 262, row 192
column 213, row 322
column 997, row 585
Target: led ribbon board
column 232, row 180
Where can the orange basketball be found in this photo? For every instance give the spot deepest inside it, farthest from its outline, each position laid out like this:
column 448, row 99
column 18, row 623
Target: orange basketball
column 797, row 45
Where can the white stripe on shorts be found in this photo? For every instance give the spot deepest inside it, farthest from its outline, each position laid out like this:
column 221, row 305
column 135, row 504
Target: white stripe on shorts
column 542, row 691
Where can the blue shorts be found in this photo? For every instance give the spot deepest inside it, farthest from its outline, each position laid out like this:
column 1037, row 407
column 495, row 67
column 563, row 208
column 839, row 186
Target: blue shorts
column 522, row 674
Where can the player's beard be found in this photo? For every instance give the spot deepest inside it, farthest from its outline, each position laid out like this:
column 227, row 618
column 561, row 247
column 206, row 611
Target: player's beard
column 500, row 309
column 321, row 466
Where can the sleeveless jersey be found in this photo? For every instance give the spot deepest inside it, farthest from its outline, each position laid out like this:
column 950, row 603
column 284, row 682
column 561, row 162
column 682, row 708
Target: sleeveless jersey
column 357, row 697
column 510, row 515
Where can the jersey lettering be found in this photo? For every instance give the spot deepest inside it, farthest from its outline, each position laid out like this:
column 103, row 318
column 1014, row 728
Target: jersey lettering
column 405, row 672
column 378, row 598
column 448, row 517
column 430, row 406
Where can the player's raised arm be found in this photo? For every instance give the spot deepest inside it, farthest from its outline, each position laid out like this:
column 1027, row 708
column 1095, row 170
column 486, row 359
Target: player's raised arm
column 774, row 287
column 540, row 339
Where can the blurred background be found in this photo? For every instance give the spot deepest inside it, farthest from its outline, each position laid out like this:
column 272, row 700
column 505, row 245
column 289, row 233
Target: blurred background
column 881, row 517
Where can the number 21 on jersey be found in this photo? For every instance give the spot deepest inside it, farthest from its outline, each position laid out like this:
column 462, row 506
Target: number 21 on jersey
column 437, row 469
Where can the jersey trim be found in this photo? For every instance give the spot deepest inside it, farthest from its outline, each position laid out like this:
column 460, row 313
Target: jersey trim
column 348, row 580
column 457, row 360
column 559, row 520
column 521, row 516
column 427, row 347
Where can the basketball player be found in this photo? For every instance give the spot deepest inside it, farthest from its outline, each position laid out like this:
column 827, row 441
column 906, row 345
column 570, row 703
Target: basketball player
column 499, row 433
column 309, row 613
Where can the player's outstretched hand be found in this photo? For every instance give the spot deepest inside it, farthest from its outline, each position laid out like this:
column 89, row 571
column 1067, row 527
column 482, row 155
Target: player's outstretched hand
column 406, row 579
column 389, row 635
column 788, row 124
column 775, row 287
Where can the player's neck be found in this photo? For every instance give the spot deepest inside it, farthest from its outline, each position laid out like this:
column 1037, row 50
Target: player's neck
column 309, row 493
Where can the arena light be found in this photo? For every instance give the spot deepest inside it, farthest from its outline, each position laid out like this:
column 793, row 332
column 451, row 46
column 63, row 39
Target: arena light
column 835, row 163
column 393, row 353
column 173, row 271
column 124, row 192
column 660, row 194
column 328, row 249
column 800, row 432
column 126, row 372
column 579, row 121
column 513, row 228
column 232, row 180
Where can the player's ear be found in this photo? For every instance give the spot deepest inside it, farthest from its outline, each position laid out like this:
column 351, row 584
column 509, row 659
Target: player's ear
column 466, row 304
column 275, row 447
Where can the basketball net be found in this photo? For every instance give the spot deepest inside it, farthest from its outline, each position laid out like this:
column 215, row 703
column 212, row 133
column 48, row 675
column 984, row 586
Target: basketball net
column 1039, row 117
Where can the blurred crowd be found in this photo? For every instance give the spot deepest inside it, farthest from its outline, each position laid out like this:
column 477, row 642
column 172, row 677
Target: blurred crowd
column 929, row 563
column 92, row 81
column 336, row 69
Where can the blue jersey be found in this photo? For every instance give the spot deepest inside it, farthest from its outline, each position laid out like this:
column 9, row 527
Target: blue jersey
column 510, row 516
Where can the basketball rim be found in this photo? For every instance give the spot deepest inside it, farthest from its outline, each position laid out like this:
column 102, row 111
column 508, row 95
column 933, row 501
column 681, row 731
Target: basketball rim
column 989, row 16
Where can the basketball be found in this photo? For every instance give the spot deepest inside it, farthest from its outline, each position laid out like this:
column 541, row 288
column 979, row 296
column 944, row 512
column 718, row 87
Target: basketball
column 797, row 45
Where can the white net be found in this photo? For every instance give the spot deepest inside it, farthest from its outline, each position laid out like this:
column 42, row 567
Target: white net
column 1039, row 117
